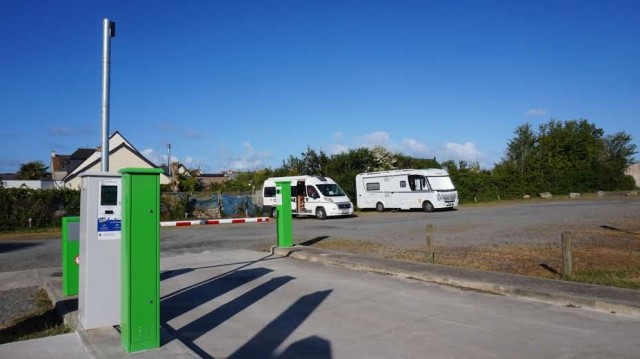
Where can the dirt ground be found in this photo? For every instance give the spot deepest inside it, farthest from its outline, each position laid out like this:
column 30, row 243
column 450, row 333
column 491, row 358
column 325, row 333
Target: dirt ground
column 607, row 255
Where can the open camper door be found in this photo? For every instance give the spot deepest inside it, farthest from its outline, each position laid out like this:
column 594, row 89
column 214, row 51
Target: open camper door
column 300, row 194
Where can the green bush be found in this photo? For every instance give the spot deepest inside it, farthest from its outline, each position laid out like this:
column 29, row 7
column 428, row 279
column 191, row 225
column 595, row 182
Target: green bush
column 44, row 207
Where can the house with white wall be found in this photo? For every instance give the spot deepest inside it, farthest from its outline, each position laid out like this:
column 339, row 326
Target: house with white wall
column 122, row 154
column 634, row 171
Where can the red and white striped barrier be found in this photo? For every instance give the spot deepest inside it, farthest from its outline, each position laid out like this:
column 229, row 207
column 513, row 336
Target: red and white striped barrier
column 214, row 221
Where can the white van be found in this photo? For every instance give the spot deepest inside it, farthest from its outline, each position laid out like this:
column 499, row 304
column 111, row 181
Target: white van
column 428, row 189
column 310, row 196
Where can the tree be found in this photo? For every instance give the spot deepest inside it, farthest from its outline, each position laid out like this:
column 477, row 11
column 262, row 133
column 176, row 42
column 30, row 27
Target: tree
column 522, row 148
column 563, row 157
column 309, row 163
column 472, row 182
column 33, row 170
column 404, row 161
column 384, row 160
column 616, row 156
column 343, row 168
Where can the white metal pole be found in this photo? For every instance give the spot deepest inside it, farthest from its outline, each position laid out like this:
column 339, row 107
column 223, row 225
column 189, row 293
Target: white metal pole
column 108, row 31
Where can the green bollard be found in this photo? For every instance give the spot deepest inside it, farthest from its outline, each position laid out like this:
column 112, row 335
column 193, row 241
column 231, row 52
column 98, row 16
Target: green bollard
column 284, row 220
column 70, row 252
column 140, row 261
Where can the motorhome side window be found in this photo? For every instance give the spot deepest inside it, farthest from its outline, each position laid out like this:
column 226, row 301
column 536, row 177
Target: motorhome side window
column 403, row 184
column 269, row 191
column 373, row 186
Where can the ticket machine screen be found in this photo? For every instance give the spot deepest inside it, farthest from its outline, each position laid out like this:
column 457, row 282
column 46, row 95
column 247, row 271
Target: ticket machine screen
column 109, row 210
column 108, row 195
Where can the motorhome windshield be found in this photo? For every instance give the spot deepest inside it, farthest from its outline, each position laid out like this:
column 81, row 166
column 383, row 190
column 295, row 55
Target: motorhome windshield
column 441, row 183
column 330, row 190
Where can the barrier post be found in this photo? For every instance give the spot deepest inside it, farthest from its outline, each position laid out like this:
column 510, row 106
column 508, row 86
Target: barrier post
column 70, row 255
column 284, row 220
column 140, row 300
column 567, row 265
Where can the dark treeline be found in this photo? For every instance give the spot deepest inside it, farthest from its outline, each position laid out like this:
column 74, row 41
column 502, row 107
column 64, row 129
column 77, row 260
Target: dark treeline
column 558, row 157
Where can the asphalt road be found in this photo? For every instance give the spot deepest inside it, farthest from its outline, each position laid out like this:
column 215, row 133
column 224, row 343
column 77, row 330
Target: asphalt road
column 523, row 223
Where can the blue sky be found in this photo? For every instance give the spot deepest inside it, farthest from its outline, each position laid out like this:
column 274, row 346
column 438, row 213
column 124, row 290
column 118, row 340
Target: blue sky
column 242, row 85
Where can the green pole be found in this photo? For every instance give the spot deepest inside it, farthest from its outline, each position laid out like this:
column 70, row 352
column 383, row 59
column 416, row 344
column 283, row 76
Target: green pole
column 140, row 261
column 285, row 222
column 70, row 253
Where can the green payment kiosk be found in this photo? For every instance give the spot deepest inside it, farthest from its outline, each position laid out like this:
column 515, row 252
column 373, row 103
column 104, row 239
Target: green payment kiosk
column 70, row 255
column 140, row 300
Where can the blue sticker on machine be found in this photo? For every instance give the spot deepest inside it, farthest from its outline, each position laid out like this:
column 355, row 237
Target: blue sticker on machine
column 108, row 225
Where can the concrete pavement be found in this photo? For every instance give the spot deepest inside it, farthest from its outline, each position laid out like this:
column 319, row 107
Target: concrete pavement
column 245, row 304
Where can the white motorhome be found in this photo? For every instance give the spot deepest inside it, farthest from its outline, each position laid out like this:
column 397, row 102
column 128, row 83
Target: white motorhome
column 428, row 189
column 310, row 196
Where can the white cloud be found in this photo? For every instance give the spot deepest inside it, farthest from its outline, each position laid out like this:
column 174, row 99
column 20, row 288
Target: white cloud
column 378, row 138
column 466, row 151
column 338, row 136
column 160, row 160
column 536, row 112
column 152, row 156
column 250, row 160
column 414, row 147
column 336, row 148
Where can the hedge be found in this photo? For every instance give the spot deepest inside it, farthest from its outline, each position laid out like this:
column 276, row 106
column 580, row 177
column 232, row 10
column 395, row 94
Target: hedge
column 44, row 207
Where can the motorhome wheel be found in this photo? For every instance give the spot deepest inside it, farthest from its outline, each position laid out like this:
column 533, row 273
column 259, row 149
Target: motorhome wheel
column 321, row 213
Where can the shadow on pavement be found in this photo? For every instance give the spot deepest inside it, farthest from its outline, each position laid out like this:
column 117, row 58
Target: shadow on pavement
column 15, row 246
column 311, row 347
column 211, row 320
column 174, row 273
column 313, row 241
column 176, row 304
column 263, row 344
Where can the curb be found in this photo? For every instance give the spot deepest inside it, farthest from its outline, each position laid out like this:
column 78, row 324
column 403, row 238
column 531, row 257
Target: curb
column 537, row 289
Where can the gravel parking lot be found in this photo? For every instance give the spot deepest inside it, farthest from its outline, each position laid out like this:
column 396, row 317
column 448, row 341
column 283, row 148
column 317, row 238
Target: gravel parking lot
column 520, row 223
column 535, row 222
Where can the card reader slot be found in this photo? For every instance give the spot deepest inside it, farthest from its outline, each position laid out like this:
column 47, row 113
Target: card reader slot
column 108, row 212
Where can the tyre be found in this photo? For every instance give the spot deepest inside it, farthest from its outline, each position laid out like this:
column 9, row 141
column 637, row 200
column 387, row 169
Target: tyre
column 379, row 207
column 321, row 213
column 274, row 212
column 427, row 206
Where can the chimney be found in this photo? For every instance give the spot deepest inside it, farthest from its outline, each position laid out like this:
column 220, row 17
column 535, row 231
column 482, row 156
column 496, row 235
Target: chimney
column 52, row 170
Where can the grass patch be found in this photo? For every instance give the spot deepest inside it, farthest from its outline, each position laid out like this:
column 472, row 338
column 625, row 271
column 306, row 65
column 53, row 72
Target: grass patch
column 34, row 233
column 42, row 322
column 614, row 278
column 599, row 257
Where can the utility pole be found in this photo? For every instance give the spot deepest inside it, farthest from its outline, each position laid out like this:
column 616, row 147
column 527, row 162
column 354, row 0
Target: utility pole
column 108, row 31
column 169, row 159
